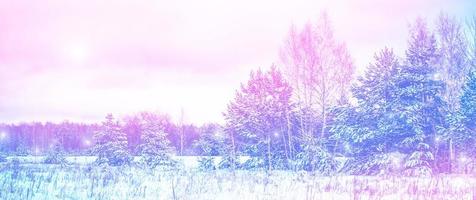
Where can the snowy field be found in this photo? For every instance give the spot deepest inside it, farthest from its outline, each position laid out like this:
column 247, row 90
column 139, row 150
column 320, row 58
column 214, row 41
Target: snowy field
column 188, row 162
column 80, row 181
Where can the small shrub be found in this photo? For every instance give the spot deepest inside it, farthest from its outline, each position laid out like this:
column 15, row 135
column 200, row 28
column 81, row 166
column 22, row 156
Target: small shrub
column 228, row 162
column 3, row 157
column 253, row 163
column 206, row 164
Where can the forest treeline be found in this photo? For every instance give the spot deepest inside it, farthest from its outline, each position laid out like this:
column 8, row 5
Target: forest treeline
column 412, row 114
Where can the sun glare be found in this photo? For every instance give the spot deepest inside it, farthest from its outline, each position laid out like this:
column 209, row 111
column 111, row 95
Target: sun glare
column 77, row 52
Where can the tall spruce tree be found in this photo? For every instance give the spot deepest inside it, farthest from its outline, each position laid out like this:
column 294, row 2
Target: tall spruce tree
column 111, row 143
column 418, row 106
column 399, row 108
column 363, row 128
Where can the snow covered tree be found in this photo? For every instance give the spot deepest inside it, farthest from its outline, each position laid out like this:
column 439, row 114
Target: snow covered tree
column 228, row 149
column 452, row 58
column 464, row 124
column 111, row 143
column 258, row 115
column 22, row 148
column 399, row 108
column 313, row 156
column 3, row 146
column 453, row 66
column 210, row 143
column 471, row 36
column 468, row 102
column 55, row 155
column 419, row 161
column 319, row 69
column 363, row 128
column 155, row 149
column 181, row 132
column 229, row 157
column 418, row 107
column 210, row 139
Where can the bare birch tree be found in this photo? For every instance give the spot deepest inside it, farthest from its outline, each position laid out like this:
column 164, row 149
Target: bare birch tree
column 319, row 68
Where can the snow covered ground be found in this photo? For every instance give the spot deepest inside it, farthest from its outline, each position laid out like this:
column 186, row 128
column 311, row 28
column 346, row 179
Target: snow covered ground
column 79, row 181
column 189, row 162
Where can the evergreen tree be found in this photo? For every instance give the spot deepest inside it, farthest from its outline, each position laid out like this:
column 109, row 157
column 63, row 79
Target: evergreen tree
column 399, row 108
column 155, row 148
column 364, row 128
column 313, row 156
column 22, row 148
column 228, row 151
column 258, row 115
column 111, row 143
column 55, row 155
column 468, row 102
column 418, row 109
column 3, row 146
column 210, row 143
column 419, row 161
column 210, row 140
column 464, row 124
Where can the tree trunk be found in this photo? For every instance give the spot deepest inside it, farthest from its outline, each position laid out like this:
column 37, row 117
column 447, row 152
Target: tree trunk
column 451, row 156
column 324, row 122
column 181, row 142
column 233, row 151
column 290, row 145
column 285, row 145
column 181, row 131
column 269, row 153
column 324, row 107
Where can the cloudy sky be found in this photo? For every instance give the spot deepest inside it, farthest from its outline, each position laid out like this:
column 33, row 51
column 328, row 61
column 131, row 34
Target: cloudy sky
column 78, row 60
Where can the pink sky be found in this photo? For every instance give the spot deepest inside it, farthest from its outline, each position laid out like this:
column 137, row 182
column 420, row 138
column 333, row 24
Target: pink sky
column 78, row 60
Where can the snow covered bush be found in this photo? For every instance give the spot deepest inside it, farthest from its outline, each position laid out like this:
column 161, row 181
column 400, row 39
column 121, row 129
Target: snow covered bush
column 377, row 164
column 253, row 163
column 3, row 157
column 419, row 162
column 228, row 162
column 206, row 163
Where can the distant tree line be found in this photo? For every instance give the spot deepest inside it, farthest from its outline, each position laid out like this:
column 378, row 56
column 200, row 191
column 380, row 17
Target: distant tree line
column 74, row 138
